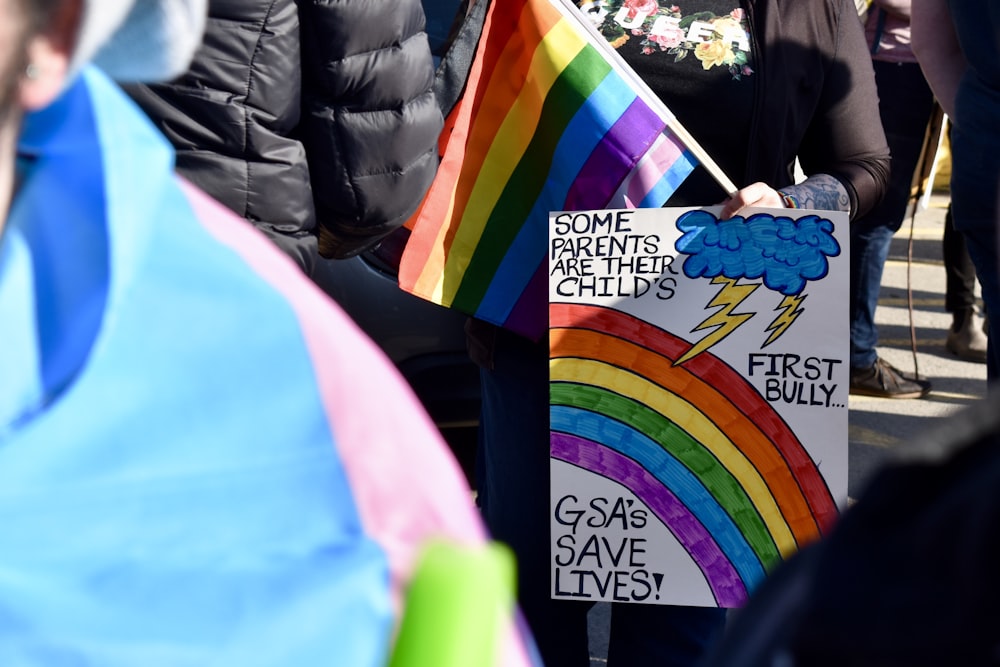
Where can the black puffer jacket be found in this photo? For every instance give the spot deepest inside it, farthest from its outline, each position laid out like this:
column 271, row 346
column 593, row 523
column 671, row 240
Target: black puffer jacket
column 311, row 119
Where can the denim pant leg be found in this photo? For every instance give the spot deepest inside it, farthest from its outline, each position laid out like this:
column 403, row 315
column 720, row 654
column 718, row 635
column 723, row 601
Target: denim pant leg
column 665, row 636
column 869, row 250
column 514, row 493
column 905, row 105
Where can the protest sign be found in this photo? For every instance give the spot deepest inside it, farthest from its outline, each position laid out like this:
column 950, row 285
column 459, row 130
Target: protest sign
column 699, row 388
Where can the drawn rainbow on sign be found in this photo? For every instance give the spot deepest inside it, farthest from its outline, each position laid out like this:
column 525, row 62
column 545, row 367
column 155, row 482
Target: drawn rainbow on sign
column 695, row 442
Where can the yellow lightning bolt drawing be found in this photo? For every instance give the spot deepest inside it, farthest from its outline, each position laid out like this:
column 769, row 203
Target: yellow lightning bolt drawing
column 791, row 307
column 724, row 320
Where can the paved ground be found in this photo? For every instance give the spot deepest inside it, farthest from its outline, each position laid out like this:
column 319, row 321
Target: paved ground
column 878, row 425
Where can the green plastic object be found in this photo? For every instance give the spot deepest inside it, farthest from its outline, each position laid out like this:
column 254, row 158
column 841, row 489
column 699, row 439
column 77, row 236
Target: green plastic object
column 458, row 603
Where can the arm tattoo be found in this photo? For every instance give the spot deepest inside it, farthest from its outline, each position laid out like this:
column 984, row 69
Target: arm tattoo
column 822, row 192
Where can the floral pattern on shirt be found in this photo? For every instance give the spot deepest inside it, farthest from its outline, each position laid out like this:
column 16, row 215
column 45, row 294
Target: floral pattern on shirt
column 716, row 41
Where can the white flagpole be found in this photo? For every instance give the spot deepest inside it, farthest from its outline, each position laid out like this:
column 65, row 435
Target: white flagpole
column 568, row 8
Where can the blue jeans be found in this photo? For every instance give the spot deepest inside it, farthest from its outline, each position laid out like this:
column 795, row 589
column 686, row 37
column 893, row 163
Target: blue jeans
column 513, row 494
column 905, row 104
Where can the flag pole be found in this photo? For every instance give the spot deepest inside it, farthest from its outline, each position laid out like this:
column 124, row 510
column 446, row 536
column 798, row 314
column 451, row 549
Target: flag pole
column 648, row 96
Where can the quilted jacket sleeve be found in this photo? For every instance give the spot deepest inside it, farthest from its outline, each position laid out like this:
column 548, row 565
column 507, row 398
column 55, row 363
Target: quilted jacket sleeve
column 370, row 122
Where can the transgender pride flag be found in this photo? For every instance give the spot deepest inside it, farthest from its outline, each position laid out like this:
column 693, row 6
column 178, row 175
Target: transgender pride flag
column 551, row 120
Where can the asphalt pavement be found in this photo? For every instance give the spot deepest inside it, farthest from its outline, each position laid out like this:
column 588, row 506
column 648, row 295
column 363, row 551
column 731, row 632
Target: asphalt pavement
column 878, row 425
column 913, row 327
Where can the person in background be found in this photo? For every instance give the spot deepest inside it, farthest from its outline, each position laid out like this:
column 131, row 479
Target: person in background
column 905, row 107
column 191, row 473
column 314, row 121
column 966, row 338
column 958, row 47
column 799, row 83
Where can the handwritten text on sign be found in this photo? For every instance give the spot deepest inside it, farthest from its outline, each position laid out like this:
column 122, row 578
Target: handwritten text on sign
column 698, row 399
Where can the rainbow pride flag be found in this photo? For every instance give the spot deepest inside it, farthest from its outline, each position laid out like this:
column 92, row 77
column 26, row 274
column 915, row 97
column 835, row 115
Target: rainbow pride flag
column 550, row 120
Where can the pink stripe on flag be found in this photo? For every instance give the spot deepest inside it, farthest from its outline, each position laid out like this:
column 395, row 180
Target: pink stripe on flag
column 406, row 484
column 652, row 168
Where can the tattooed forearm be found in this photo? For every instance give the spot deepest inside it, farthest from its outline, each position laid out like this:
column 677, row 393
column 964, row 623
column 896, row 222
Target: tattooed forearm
column 822, row 192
